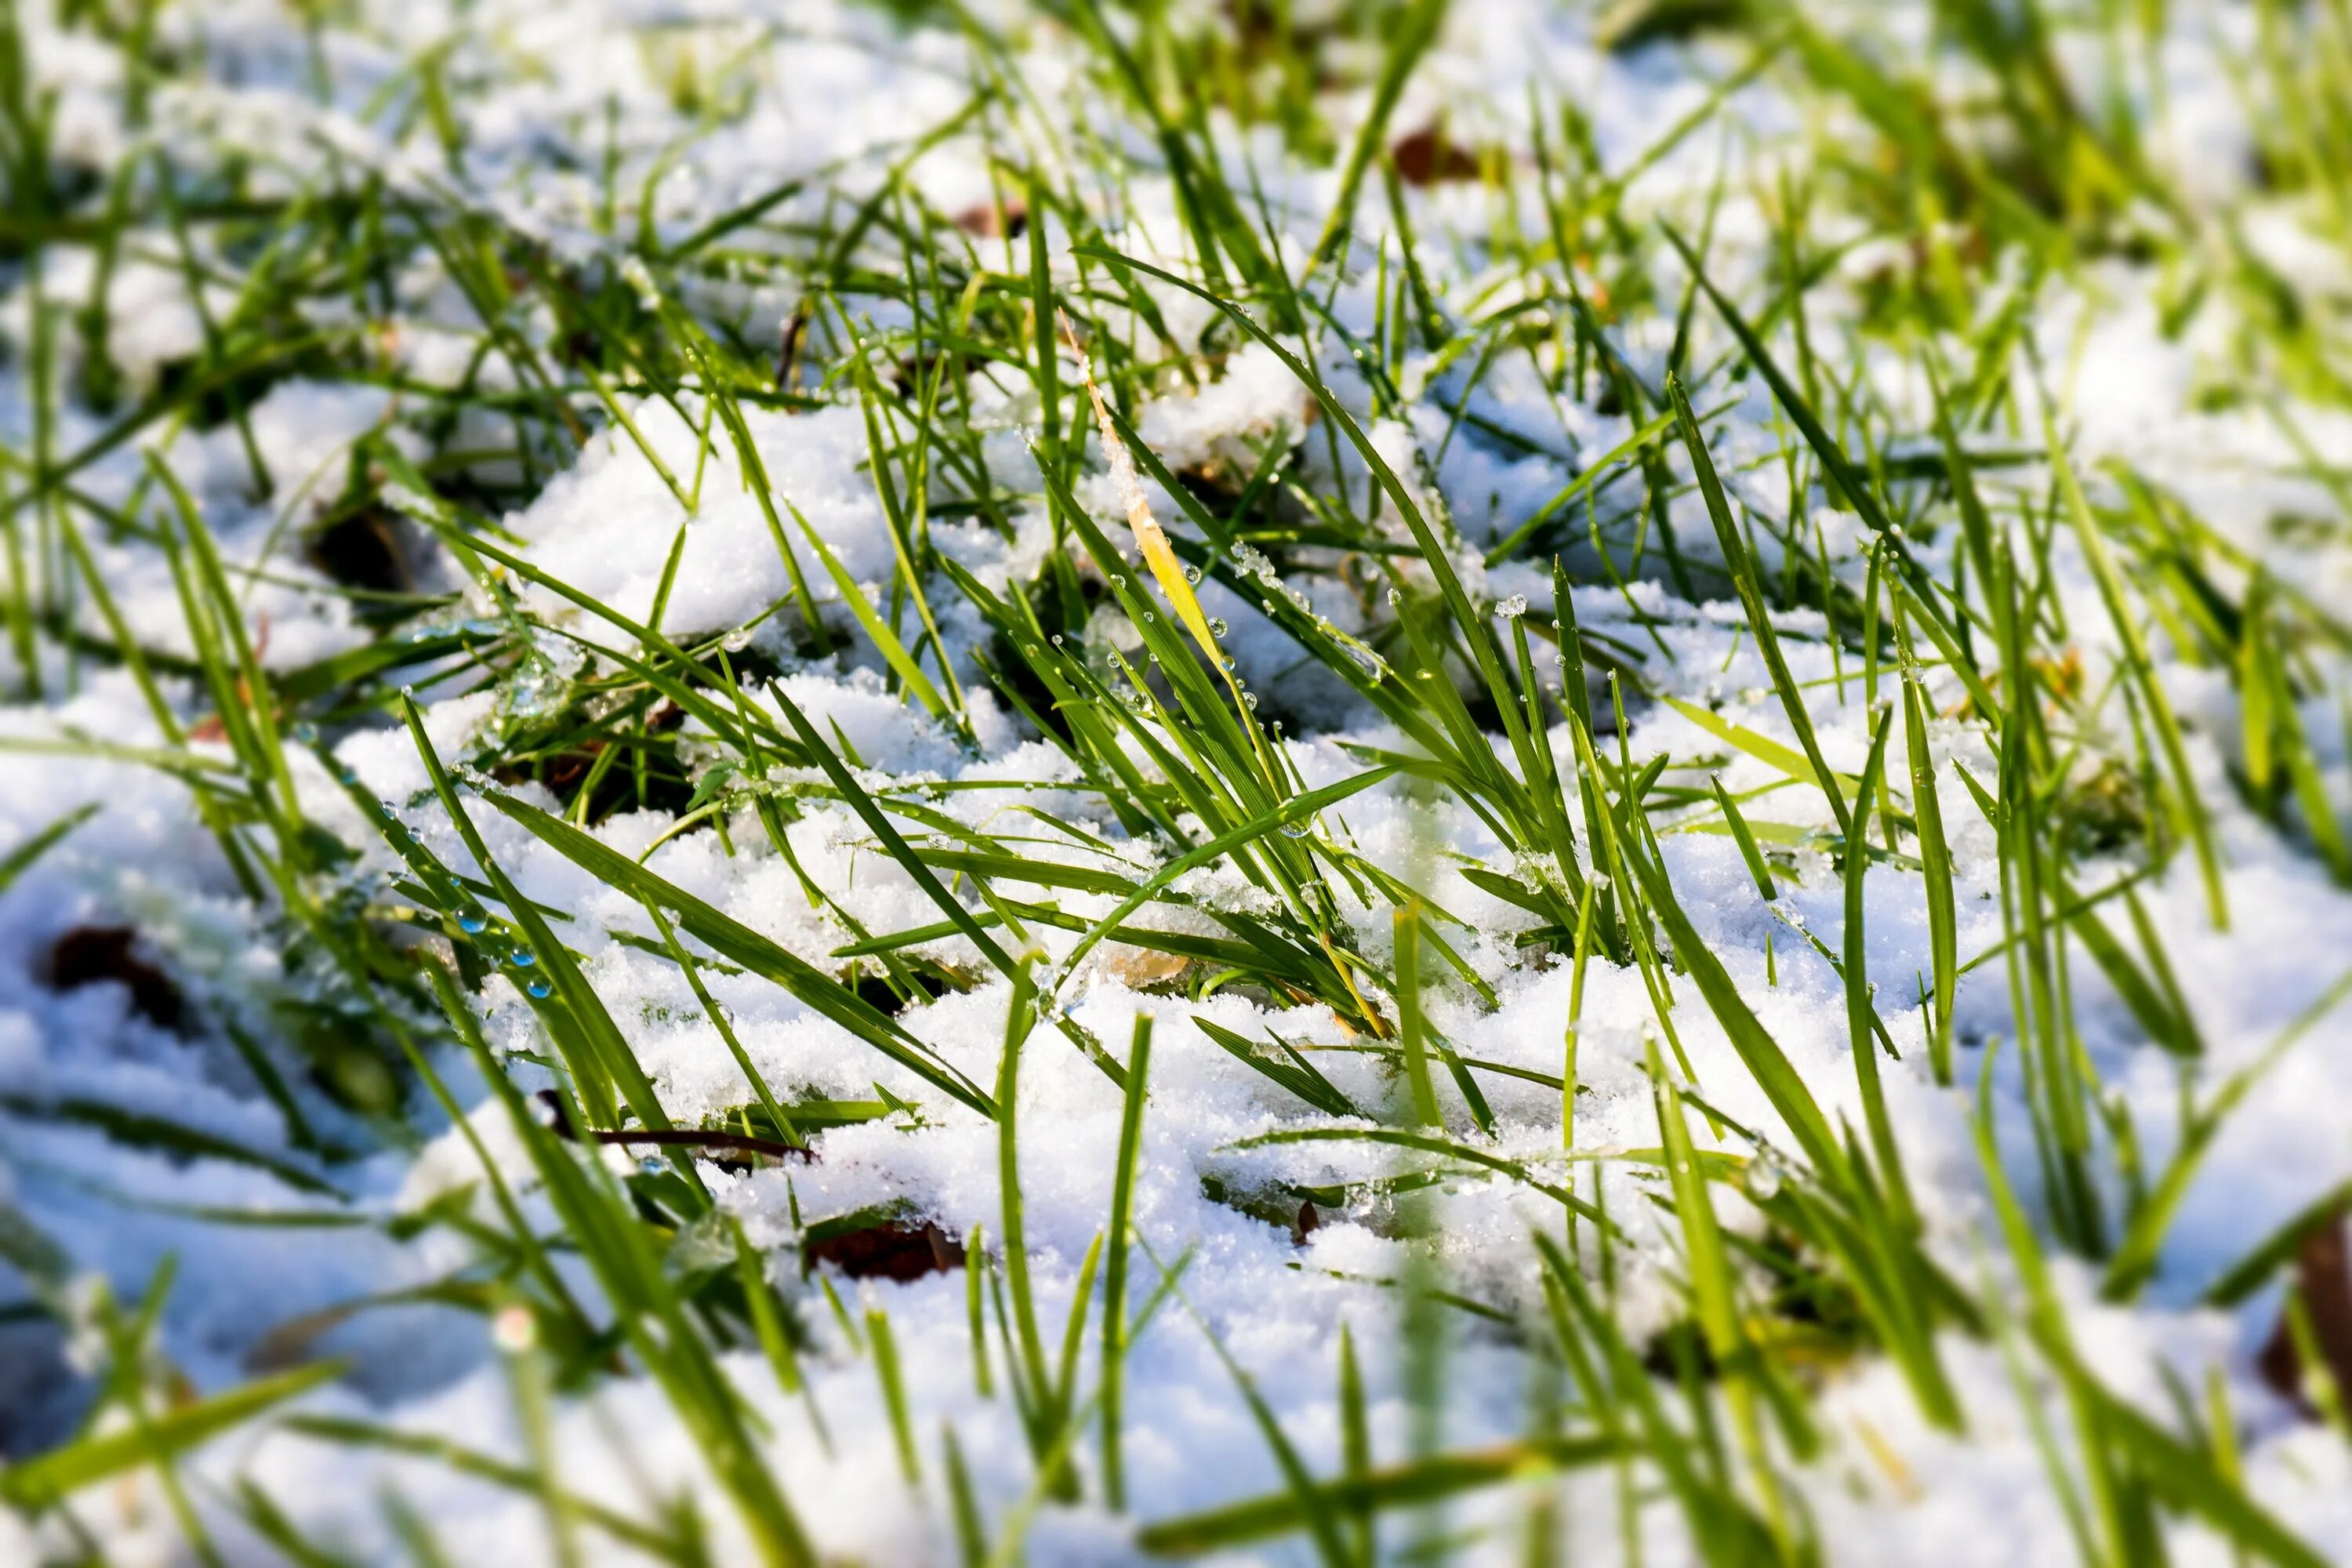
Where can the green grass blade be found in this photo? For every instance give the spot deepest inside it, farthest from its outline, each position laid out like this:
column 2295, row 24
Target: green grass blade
column 45, row 1480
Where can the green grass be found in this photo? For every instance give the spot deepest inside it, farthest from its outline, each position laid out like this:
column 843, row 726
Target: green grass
column 1955, row 630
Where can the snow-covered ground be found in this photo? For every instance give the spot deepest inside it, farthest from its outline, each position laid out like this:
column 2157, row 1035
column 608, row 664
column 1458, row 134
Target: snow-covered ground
column 214, row 1118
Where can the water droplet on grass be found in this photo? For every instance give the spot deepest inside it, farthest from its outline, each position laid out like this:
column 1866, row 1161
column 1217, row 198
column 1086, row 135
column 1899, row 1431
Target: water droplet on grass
column 514, row 1330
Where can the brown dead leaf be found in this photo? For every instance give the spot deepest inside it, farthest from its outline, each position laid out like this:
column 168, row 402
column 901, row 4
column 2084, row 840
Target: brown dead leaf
column 363, row 550
column 893, row 1251
column 2323, row 1283
column 1425, row 157
column 981, row 220
column 1143, row 965
column 91, row 955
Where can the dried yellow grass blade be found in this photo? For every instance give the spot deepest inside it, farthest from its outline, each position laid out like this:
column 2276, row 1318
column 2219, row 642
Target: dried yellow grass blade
column 1150, row 537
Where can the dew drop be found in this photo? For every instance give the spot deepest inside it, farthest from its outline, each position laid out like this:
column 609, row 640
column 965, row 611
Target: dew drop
column 514, row 1330
column 522, row 958
column 472, row 924
column 539, row 988
column 1192, row 574
column 1250, row 698
column 1218, row 629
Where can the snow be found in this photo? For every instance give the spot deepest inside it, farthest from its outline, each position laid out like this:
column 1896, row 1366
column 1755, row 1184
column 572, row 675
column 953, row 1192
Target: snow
column 835, row 95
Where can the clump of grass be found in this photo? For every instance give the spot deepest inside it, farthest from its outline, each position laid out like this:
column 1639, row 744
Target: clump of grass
column 1977, row 522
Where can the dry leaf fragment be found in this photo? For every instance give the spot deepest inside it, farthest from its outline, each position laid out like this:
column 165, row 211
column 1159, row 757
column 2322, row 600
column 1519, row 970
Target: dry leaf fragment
column 2323, row 1284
